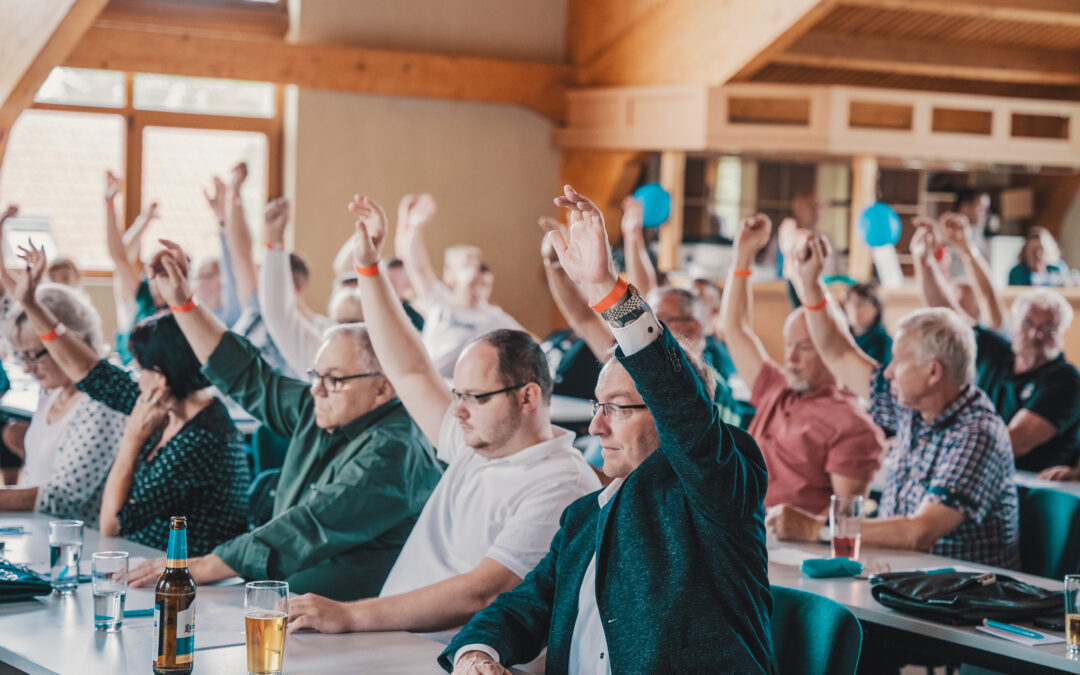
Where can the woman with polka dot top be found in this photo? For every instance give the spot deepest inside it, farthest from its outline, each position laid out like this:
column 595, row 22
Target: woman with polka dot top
column 72, row 439
column 180, row 453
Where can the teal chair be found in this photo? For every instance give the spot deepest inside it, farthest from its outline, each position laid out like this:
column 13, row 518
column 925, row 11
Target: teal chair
column 267, row 450
column 813, row 635
column 1049, row 532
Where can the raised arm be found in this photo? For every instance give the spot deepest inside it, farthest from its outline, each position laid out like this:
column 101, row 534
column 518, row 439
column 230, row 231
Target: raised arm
column 126, row 276
column 639, row 267
column 238, row 236
column 414, row 212
column 828, row 326
column 958, row 232
column 396, row 343
column 568, row 298
column 72, row 355
column 132, row 237
column 737, row 305
column 928, row 275
column 201, row 328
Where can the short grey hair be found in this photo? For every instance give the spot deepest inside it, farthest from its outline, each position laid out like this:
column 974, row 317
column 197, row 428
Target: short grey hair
column 358, row 334
column 344, row 300
column 1043, row 298
column 945, row 337
column 689, row 303
column 71, row 307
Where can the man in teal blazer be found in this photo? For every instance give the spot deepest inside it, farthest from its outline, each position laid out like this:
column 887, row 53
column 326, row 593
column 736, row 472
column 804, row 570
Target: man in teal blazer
column 665, row 570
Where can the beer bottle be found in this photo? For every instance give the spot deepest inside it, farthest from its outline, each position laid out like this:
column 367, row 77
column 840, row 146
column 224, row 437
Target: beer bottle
column 174, row 607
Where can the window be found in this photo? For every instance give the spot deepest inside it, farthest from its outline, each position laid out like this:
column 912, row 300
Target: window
column 79, row 86
column 204, row 95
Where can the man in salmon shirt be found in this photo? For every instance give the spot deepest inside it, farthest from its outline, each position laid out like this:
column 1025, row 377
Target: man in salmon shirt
column 816, row 438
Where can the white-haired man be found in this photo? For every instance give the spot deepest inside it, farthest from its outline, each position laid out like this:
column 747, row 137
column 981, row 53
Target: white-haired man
column 1035, row 390
column 950, row 488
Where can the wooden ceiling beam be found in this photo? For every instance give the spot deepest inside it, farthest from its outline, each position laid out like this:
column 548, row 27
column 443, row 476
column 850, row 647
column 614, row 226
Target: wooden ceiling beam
column 933, row 59
column 690, row 41
column 1051, row 12
column 537, row 86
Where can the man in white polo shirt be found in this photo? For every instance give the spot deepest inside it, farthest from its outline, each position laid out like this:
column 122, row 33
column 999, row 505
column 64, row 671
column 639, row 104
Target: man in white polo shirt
column 511, row 473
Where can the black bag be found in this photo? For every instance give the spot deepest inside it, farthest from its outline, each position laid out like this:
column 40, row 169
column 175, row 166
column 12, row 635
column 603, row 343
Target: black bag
column 18, row 582
column 961, row 598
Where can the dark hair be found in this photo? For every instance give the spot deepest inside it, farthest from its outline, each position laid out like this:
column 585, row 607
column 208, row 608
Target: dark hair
column 300, row 274
column 158, row 344
column 520, row 359
column 394, row 263
column 870, row 292
column 966, row 196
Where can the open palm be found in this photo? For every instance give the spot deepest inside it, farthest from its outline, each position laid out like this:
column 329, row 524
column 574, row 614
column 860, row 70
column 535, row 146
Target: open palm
column 584, row 251
column 370, row 230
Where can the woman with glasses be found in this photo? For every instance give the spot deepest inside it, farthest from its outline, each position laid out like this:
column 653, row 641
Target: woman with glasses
column 179, row 454
column 72, row 439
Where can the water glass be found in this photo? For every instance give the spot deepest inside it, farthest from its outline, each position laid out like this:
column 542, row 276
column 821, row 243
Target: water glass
column 65, row 550
column 266, row 611
column 1072, row 612
column 845, row 525
column 110, row 589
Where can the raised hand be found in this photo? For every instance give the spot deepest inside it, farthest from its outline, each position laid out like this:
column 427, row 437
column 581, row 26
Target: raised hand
column 811, row 257
column 753, row 235
column 275, row 220
column 112, row 186
column 370, row 230
column 216, row 199
column 237, row 176
column 10, row 212
column 957, row 229
column 149, row 414
column 23, row 287
column 421, row 211
column 584, row 252
column 170, row 271
column 548, row 225
column 633, row 218
column 924, row 242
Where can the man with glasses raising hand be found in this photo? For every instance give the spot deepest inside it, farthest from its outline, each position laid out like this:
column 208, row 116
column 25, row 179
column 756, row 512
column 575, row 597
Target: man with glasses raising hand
column 510, row 472
column 357, row 471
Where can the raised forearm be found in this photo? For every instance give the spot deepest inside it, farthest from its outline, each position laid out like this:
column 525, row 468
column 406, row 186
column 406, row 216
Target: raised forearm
column 124, row 272
column 932, row 285
column 833, row 341
column 639, row 267
column 976, row 267
column 202, row 330
column 418, row 263
column 589, row 325
column 75, row 357
column 238, row 239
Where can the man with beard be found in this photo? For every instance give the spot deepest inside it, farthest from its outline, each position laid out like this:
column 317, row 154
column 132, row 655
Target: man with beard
column 816, row 439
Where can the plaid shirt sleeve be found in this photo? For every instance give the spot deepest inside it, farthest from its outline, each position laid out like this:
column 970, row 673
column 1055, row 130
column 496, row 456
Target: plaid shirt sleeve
column 887, row 412
column 968, row 474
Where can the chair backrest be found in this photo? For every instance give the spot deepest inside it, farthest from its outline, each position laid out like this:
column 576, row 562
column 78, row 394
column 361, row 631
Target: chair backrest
column 261, row 497
column 813, row 635
column 1049, row 532
column 268, row 449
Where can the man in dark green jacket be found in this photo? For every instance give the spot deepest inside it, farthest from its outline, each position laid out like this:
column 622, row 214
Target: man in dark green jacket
column 357, row 472
column 664, row 570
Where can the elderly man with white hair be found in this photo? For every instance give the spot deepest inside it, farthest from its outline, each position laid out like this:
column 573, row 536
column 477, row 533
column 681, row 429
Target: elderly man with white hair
column 950, row 488
column 1034, row 389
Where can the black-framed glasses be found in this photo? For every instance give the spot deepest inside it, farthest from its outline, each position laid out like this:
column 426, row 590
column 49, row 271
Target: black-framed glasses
column 334, row 383
column 614, row 411
column 31, row 360
column 472, row 399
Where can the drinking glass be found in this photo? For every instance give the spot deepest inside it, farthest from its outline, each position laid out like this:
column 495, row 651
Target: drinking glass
column 1072, row 612
column 65, row 550
column 845, row 525
column 266, row 610
column 110, row 570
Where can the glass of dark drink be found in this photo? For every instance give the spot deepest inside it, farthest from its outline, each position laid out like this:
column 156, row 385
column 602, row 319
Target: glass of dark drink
column 845, row 525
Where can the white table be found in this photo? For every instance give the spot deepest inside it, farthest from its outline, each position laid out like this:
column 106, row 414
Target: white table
column 56, row 634
column 1028, row 479
column 960, row 643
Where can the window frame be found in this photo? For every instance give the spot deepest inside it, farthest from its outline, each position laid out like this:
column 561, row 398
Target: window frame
column 136, row 120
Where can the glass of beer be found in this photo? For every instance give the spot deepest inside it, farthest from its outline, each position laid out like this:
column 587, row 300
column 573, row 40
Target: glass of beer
column 266, row 609
column 1072, row 612
column 845, row 525
column 65, row 550
column 110, row 589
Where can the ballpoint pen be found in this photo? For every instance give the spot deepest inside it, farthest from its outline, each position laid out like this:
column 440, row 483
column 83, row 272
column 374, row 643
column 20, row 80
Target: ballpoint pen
column 1009, row 628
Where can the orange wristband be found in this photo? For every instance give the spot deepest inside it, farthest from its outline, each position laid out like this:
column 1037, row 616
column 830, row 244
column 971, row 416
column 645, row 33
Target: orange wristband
column 742, row 273
column 277, row 245
column 611, row 298
column 820, row 305
column 372, row 271
column 184, row 308
column 54, row 333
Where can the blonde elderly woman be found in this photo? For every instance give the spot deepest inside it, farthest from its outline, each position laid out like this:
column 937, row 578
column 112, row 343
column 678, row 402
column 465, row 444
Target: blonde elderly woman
column 72, row 439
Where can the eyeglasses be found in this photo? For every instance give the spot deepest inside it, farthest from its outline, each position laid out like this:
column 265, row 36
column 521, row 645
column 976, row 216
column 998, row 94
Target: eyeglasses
column 333, row 383
column 473, row 399
column 1048, row 328
column 31, row 360
column 614, row 411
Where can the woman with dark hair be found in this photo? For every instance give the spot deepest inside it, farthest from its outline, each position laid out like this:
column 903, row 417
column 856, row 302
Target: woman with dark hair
column 1039, row 262
column 863, row 308
column 180, row 453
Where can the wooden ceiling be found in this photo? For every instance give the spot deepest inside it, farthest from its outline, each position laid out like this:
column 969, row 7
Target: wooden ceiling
column 1026, row 48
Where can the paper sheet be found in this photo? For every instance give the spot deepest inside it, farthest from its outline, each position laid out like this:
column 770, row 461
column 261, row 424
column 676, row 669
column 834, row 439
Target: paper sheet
column 1047, row 638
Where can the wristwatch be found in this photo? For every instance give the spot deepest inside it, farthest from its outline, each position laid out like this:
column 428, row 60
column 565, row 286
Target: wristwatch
column 626, row 310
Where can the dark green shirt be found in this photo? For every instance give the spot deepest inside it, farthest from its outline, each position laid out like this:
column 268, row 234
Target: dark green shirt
column 876, row 343
column 346, row 500
column 1051, row 391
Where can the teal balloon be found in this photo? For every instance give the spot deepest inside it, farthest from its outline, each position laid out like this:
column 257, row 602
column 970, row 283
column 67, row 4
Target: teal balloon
column 879, row 225
column 656, row 202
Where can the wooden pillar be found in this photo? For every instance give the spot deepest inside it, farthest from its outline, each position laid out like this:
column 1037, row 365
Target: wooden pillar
column 673, row 179
column 864, row 179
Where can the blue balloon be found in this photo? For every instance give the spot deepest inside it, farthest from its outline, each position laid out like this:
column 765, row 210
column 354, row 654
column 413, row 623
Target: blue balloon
column 879, row 225
column 656, row 202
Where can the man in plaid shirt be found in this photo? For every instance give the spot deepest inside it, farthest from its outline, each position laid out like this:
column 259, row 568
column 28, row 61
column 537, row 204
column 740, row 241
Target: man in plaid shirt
column 950, row 484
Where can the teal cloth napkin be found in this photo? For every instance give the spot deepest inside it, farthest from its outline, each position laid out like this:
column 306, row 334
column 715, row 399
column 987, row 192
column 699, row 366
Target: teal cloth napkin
column 823, row 568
